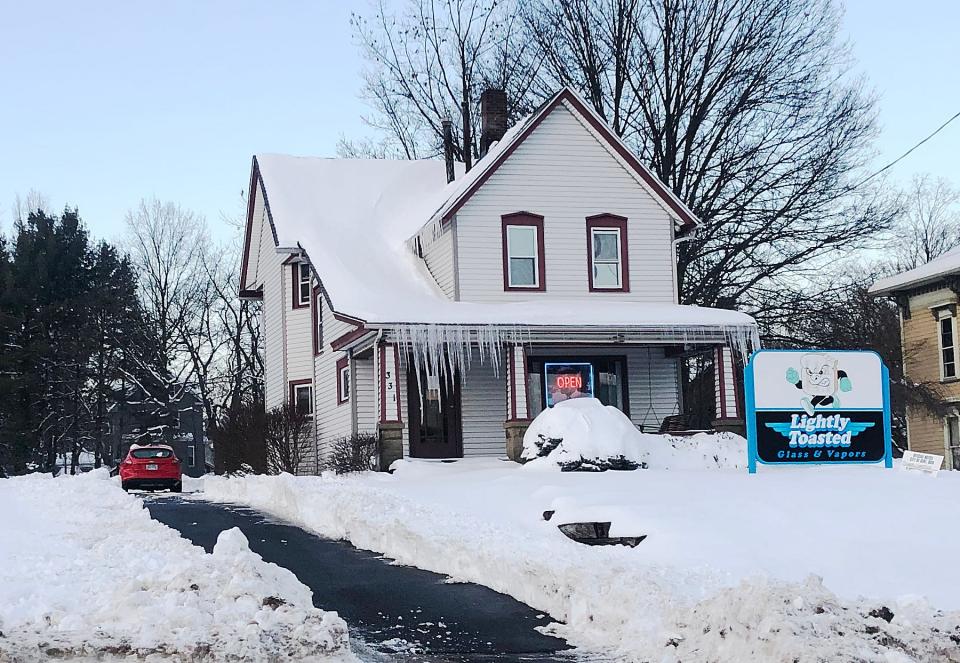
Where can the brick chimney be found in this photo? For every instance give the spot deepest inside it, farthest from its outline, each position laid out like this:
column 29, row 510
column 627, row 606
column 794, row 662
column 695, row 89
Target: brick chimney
column 493, row 118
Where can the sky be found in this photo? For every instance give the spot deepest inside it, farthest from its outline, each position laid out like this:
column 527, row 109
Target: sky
column 104, row 103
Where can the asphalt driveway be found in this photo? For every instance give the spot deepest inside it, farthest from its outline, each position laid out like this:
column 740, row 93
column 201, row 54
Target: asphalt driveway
column 397, row 612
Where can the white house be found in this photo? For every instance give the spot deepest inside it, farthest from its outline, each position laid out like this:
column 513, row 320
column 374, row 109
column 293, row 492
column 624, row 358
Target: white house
column 446, row 314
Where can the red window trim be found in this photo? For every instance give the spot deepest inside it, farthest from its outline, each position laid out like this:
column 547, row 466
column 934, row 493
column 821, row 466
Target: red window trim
column 314, row 316
column 296, row 287
column 523, row 219
column 618, row 222
column 293, row 392
column 341, row 364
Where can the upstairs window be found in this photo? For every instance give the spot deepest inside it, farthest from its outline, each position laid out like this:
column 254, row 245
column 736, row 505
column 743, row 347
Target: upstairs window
column 947, row 333
column 523, row 263
column 317, row 312
column 607, row 266
column 301, row 285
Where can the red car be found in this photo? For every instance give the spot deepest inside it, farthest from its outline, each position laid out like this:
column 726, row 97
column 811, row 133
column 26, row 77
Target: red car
column 153, row 466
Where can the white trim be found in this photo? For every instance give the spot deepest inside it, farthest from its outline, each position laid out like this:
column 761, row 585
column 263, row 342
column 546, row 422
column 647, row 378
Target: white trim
column 618, row 261
column 535, row 256
column 296, row 396
column 345, row 392
column 947, row 452
column 303, row 270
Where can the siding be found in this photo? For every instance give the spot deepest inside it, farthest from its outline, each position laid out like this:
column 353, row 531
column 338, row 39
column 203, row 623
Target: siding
column 921, row 354
column 438, row 255
column 272, row 329
column 333, row 419
column 366, row 396
column 484, row 409
column 561, row 171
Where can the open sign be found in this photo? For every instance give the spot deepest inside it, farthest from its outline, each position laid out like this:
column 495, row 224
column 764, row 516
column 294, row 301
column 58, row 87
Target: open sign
column 567, row 381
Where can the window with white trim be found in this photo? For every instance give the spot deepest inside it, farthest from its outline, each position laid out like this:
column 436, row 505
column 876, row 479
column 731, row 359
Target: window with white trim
column 523, row 261
column 947, row 338
column 191, row 456
column 303, row 399
column 303, row 284
column 607, row 267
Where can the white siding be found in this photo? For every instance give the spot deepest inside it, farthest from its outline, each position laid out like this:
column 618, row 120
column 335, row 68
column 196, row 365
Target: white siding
column 366, row 395
column 439, row 258
column 484, row 409
column 299, row 333
column 562, row 172
column 272, row 329
column 261, row 237
column 333, row 419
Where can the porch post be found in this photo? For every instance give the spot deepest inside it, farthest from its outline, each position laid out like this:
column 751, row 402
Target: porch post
column 389, row 423
column 518, row 401
column 727, row 412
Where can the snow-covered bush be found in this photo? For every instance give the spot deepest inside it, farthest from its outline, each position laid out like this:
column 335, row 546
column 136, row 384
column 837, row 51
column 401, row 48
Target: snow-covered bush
column 356, row 453
column 583, row 434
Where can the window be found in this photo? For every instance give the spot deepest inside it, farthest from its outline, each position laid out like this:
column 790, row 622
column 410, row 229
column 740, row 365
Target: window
column 523, row 264
column 191, row 455
column 301, row 285
column 947, row 333
column 952, row 441
column 317, row 321
column 343, row 380
column 301, row 396
column 607, row 253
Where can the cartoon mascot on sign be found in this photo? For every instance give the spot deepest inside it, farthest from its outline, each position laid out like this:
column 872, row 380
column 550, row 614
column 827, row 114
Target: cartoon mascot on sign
column 819, row 380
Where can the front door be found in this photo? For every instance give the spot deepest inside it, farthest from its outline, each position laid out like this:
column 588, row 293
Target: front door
column 433, row 409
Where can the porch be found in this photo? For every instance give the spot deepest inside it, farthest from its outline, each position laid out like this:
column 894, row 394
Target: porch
column 477, row 397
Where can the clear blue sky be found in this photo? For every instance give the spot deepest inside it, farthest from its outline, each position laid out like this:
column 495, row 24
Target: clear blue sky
column 107, row 102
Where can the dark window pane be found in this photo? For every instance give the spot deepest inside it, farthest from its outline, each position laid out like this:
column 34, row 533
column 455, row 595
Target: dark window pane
column 605, row 246
column 522, row 271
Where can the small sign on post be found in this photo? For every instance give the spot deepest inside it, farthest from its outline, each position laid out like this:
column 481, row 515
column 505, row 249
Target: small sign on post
column 817, row 407
column 920, row 462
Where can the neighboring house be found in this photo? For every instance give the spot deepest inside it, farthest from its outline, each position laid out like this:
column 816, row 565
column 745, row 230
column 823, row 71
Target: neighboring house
column 446, row 314
column 132, row 422
column 927, row 297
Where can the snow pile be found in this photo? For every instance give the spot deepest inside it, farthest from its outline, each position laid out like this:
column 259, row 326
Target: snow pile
column 584, row 434
column 85, row 572
column 724, row 575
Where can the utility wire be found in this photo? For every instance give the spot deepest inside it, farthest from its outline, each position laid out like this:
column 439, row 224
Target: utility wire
column 907, row 153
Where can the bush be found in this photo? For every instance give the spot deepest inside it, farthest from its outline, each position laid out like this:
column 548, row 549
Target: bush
column 238, row 440
column 356, row 453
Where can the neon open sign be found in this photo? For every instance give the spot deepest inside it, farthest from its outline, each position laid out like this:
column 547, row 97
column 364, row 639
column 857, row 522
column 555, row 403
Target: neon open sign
column 567, row 381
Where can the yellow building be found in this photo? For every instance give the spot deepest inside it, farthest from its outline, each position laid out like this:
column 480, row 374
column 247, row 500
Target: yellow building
column 927, row 297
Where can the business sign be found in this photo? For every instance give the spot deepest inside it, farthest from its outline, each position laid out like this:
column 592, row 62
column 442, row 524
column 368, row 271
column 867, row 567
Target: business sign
column 566, row 381
column 817, row 407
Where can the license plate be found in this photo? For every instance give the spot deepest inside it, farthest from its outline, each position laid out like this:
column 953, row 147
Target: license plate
column 151, row 466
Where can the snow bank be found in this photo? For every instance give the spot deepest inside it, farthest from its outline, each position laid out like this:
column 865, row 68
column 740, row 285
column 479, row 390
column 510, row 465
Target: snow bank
column 85, row 572
column 584, row 433
column 725, row 574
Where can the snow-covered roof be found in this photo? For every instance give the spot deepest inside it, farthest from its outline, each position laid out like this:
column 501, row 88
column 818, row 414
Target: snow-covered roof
column 353, row 217
column 948, row 263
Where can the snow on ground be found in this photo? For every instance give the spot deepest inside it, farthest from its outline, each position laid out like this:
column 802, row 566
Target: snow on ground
column 584, row 431
column 85, row 572
column 731, row 569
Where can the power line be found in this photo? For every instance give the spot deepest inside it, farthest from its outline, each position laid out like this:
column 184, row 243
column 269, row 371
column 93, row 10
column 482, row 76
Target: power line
column 907, row 153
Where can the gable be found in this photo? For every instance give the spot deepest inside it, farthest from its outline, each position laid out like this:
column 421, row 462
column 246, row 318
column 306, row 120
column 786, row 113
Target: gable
column 514, row 138
column 259, row 236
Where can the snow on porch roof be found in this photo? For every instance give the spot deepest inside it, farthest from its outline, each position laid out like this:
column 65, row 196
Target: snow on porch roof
column 353, row 217
column 948, row 263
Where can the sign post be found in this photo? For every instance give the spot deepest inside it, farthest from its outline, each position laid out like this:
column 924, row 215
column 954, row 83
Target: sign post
column 817, row 407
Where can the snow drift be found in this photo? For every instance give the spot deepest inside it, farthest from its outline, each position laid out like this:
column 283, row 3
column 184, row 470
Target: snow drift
column 85, row 572
column 584, row 434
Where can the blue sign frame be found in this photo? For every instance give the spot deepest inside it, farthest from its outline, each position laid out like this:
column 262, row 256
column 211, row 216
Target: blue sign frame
column 750, row 408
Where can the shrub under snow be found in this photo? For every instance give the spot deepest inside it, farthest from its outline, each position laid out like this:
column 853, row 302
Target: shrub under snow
column 584, row 434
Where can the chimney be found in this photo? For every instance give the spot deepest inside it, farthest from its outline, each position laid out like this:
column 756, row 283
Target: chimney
column 493, row 118
column 448, row 148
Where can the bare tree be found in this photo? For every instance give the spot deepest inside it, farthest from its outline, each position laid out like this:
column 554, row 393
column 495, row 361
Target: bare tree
column 930, row 226
column 431, row 61
column 287, row 438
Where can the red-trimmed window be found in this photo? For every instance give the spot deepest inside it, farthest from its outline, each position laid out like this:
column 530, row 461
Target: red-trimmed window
column 317, row 315
column 301, row 285
column 343, row 380
column 523, row 260
column 607, row 262
column 301, row 396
